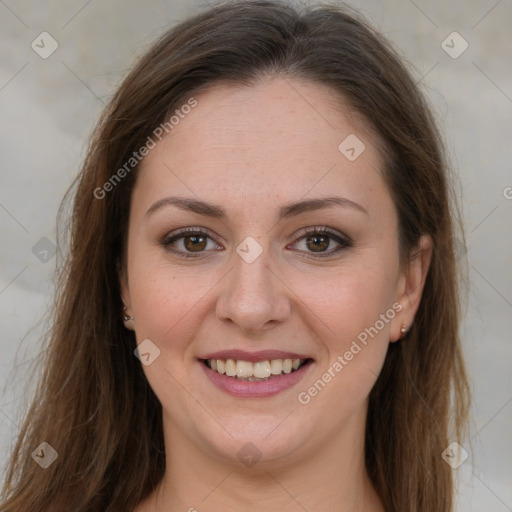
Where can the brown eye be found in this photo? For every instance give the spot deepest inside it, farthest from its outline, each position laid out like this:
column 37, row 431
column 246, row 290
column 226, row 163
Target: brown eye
column 317, row 240
column 189, row 242
column 194, row 243
column 317, row 243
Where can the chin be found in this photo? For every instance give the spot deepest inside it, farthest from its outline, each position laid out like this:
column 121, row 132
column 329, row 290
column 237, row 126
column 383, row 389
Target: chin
column 263, row 440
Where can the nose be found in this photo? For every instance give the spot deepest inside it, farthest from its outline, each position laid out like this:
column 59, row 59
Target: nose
column 253, row 296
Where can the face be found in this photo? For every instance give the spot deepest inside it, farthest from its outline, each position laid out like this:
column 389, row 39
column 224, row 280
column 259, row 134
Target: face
column 271, row 274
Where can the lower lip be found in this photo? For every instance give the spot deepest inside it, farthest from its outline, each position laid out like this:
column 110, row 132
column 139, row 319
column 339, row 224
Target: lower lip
column 255, row 389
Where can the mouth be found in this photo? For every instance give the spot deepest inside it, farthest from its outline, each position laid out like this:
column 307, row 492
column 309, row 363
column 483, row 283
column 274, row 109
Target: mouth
column 255, row 375
column 257, row 371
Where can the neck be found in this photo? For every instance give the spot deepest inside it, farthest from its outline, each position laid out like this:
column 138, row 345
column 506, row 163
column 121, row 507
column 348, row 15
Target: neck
column 329, row 477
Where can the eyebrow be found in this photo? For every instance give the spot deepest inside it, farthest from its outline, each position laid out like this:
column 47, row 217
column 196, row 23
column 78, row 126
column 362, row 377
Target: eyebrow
column 286, row 211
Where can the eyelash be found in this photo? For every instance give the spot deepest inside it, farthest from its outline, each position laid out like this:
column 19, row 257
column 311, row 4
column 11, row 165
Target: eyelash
column 344, row 241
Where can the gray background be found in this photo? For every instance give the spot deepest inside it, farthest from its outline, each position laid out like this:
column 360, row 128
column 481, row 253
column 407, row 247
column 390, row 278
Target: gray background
column 48, row 107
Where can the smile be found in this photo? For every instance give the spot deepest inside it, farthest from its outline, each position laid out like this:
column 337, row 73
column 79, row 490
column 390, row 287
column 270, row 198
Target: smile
column 261, row 374
column 254, row 371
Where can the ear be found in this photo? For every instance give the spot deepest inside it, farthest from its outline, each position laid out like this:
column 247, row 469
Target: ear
column 410, row 285
column 125, row 295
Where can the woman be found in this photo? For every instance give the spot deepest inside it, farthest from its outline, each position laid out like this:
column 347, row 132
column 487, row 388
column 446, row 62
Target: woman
column 259, row 310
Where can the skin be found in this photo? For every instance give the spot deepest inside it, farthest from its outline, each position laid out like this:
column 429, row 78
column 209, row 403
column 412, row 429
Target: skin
column 251, row 150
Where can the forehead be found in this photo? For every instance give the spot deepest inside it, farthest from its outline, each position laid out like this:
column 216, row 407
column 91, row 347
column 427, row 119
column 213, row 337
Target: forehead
column 281, row 138
column 292, row 118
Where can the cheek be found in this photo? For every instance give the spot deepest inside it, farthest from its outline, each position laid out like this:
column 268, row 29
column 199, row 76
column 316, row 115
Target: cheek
column 349, row 299
column 166, row 301
column 352, row 312
column 169, row 307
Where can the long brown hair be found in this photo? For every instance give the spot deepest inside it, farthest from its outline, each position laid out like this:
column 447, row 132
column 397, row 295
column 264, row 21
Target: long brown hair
column 94, row 405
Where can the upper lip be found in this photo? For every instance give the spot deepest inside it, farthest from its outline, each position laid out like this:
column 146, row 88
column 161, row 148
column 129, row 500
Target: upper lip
column 260, row 355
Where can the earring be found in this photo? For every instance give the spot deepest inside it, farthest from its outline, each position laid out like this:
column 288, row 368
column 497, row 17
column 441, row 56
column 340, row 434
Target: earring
column 125, row 317
column 404, row 330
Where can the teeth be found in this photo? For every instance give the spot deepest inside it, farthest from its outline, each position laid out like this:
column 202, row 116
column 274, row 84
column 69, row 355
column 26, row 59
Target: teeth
column 244, row 369
column 276, row 366
column 230, row 367
column 261, row 370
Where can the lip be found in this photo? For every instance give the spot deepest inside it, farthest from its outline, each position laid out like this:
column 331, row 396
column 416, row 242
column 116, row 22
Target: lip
column 255, row 389
column 254, row 357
